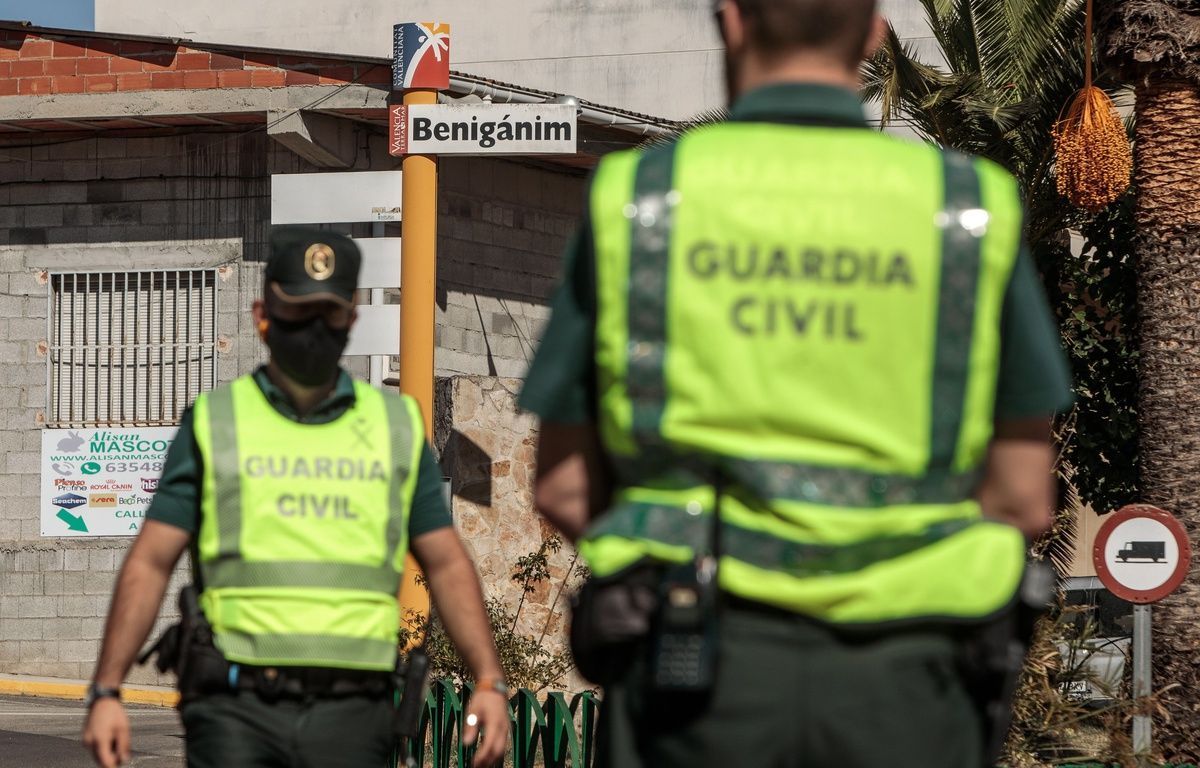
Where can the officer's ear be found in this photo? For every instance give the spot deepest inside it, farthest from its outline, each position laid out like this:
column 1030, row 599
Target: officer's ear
column 732, row 26
column 879, row 31
column 261, row 321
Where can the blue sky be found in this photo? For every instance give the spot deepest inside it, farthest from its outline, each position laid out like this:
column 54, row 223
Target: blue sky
column 69, row 14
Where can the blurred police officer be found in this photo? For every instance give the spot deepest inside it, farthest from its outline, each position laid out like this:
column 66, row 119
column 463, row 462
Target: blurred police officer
column 832, row 342
column 299, row 491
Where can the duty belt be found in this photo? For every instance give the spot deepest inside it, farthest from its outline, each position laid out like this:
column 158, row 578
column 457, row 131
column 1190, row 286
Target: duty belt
column 309, row 682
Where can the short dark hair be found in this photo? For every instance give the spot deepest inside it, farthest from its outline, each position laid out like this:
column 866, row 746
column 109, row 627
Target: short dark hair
column 838, row 28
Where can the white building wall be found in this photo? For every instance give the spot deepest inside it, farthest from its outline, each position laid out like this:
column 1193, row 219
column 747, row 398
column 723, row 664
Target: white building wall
column 661, row 58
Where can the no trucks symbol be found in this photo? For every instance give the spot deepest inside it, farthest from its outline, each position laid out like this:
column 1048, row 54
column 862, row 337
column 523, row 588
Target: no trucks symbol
column 1141, row 553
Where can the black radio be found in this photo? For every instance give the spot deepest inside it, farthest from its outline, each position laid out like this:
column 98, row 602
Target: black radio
column 685, row 640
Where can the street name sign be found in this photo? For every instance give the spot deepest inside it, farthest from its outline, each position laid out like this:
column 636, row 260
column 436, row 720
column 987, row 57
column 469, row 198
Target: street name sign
column 483, row 129
column 1141, row 553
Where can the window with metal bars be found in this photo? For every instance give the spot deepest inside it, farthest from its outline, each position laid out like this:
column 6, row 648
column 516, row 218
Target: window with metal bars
column 129, row 348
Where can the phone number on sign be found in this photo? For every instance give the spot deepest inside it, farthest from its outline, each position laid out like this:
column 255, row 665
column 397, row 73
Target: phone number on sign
column 133, row 466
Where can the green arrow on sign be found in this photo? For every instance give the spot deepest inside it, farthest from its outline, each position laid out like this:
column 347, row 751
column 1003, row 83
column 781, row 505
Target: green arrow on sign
column 73, row 522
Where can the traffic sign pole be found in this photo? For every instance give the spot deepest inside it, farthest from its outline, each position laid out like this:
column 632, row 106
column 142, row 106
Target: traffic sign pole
column 1141, row 554
column 418, row 281
column 418, row 272
column 1141, row 677
column 420, row 68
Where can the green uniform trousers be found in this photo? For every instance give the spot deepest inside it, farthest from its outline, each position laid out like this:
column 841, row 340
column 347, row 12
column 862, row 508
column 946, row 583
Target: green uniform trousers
column 791, row 694
column 243, row 731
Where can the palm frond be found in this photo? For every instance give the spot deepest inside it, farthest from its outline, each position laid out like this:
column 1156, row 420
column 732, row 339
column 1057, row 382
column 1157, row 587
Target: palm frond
column 1009, row 67
column 707, row 117
column 898, row 80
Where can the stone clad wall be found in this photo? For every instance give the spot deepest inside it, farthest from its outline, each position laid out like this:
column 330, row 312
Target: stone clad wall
column 488, row 447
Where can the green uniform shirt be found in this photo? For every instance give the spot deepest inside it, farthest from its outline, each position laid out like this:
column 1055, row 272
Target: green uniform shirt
column 177, row 501
column 561, row 383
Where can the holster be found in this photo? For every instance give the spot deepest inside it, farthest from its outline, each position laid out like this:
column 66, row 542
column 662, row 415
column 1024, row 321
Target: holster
column 187, row 649
column 610, row 619
column 165, row 650
column 992, row 657
column 412, row 680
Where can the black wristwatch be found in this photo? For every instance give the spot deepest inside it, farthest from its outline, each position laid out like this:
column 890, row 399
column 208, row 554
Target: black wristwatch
column 96, row 692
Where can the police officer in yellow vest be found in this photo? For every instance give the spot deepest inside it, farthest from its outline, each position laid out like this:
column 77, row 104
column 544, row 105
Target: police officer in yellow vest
column 300, row 492
column 795, row 393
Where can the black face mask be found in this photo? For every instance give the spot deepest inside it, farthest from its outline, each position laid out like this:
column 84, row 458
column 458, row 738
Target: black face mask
column 306, row 350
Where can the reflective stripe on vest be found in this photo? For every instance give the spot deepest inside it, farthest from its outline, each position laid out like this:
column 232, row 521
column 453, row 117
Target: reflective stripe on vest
column 924, row 523
column 304, row 527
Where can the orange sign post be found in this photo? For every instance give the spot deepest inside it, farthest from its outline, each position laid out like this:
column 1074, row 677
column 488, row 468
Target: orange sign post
column 420, row 68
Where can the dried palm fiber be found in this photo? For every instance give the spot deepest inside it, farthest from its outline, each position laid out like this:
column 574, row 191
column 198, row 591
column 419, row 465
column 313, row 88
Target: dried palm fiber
column 1094, row 160
column 1150, row 38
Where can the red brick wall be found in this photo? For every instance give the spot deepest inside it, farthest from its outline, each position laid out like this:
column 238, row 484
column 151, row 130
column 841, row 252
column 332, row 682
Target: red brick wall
column 32, row 64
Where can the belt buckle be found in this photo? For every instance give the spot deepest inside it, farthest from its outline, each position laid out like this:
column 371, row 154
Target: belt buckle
column 269, row 682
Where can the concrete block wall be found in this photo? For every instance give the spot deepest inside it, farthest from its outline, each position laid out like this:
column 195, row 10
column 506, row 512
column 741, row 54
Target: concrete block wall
column 54, row 596
column 54, row 592
column 203, row 200
column 165, row 202
column 190, row 187
column 502, row 230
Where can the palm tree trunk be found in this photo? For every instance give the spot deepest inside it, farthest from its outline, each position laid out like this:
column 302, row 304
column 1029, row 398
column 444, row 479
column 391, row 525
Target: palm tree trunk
column 1168, row 254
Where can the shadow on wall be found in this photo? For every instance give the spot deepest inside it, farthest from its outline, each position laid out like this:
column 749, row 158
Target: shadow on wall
column 467, row 464
column 469, row 467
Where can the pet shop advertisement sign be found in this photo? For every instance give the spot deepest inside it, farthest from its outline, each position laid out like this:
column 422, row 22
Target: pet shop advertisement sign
column 99, row 482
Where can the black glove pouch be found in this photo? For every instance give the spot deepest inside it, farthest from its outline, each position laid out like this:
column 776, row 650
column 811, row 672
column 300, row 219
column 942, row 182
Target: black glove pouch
column 165, row 650
column 205, row 669
column 610, row 620
column 186, row 648
column 992, row 657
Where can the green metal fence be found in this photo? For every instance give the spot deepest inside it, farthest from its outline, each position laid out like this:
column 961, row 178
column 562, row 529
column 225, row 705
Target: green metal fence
column 550, row 732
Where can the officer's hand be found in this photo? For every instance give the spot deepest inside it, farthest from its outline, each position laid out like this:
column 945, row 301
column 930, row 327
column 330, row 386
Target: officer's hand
column 106, row 733
column 487, row 709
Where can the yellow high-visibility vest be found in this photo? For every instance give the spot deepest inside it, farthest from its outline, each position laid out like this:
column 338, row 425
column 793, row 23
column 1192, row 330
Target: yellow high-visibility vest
column 304, row 527
column 811, row 315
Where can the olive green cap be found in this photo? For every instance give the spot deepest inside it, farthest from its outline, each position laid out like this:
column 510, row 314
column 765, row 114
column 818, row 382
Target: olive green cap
column 308, row 265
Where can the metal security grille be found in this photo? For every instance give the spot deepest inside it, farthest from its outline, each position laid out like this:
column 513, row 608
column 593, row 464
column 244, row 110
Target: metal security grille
column 129, row 348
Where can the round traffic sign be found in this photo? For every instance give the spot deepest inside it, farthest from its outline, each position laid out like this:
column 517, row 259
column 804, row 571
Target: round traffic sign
column 1141, row 553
